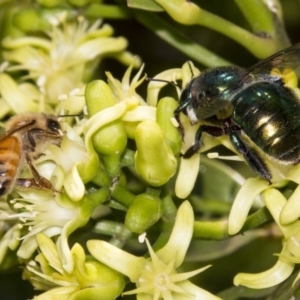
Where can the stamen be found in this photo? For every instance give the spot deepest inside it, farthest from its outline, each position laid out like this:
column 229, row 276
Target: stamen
column 53, row 21
column 19, row 205
column 142, row 237
column 29, row 207
column 213, row 155
column 3, row 66
column 62, row 97
column 85, row 111
column 74, row 92
column 41, row 81
column 4, row 215
column 32, row 263
column 80, row 18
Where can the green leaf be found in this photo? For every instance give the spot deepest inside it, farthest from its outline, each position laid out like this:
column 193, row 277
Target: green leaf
column 145, row 5
column 240, row 292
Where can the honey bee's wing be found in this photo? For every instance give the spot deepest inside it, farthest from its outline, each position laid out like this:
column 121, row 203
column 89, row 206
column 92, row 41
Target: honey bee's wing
column 287, row 59
column 18, row 126
column 4, row 135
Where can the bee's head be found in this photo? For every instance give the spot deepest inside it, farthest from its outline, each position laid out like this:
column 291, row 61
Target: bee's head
column 210, row 92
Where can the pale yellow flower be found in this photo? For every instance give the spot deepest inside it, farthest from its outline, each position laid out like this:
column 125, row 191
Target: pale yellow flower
column 157, row 277
column 88, row 280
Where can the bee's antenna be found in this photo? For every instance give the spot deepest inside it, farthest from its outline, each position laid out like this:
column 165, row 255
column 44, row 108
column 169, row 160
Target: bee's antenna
column 73, row 115
column 162, row 80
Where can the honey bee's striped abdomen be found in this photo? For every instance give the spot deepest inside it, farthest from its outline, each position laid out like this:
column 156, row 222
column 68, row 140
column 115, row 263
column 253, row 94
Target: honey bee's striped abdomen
column 10, row 156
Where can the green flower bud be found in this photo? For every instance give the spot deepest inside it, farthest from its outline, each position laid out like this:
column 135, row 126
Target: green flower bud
column 130, row 128
column 164, row 114
column 182, row 11
column 145, row 211
column 98, row 96
column 30, row 20
column 154, row 159
column 111, row 139
column 97, row 280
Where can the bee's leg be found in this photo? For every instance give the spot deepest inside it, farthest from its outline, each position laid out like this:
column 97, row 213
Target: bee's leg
column 180, row 126
column 211, row 130
column 32, row 183
column 37, row 181
column 251, row 156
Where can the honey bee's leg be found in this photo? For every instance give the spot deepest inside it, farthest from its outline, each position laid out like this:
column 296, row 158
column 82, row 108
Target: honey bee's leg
column 27, row 183
column 37, row 181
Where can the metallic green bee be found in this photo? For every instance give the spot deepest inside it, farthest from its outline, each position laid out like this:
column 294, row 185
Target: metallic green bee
column 254, row 107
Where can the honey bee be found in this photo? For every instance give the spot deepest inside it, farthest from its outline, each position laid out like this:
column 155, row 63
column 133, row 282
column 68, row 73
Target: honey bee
column 26, row 136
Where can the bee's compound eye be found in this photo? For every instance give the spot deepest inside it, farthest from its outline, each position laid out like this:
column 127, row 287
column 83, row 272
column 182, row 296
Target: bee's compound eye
column 202, row 95
column 53, row 125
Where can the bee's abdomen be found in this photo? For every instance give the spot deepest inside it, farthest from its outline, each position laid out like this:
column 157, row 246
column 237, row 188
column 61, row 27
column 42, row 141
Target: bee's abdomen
column 10, row 155
column 270, row 116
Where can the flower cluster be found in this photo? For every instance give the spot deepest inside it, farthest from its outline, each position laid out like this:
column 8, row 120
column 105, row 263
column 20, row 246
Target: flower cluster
column 58, row 64
column 88, row 279
column 87, row 168
column 285, row 212
column 157, row 277
column 110, row 175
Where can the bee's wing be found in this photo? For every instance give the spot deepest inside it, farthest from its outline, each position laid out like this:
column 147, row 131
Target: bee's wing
column 4, row 136
column 287, row 59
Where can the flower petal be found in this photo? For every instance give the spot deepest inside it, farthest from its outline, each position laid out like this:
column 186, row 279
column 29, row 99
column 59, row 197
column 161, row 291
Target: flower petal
column 277, row 274
column 154, row 87
column 92, row 48
column 10, row 240
column 243, row 202
column 117, row 259
column 49, row 251
column 61, row 293
column 140, row 113
column 187, row 175
column 294, row 174
column 73, row 184
column 100, row 119
column 194, row 292
column 181, row 236
column 14, row 97
column 275, row 202
column 291, row 211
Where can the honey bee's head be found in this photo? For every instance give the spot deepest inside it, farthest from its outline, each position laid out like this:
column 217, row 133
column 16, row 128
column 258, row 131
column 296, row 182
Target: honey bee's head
column 45, row 129
column 52, row 127
column 35, row 130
